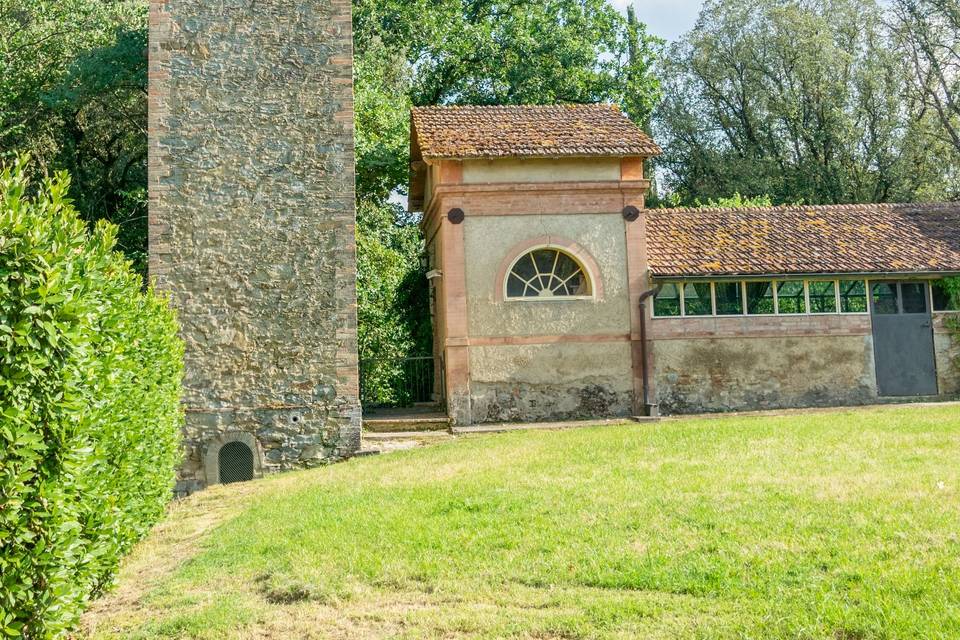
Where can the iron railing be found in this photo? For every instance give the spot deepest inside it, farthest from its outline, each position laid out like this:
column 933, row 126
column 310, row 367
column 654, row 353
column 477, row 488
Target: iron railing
column 401, row 382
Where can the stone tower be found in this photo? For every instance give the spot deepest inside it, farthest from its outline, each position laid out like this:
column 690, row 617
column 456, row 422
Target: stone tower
column 252, row 228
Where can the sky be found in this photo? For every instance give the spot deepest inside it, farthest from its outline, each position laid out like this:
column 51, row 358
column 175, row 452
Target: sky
column 665, row 18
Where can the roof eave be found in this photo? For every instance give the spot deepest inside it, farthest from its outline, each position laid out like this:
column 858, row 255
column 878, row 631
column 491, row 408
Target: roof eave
column 541, row 156
column 728, row 275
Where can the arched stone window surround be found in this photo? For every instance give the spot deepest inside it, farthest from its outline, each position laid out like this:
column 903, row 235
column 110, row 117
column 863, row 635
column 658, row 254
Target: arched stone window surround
column 590, row 267
column 211, row 459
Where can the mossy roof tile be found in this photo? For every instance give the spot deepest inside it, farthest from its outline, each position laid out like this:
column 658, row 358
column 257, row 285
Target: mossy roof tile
column 468, row 132
column 834, row 239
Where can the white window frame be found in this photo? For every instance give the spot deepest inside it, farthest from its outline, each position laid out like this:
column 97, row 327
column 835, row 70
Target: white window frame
column 743, row 292
column 836, row 298
column 866, row 284
column 583, row 268
column 681, row 285
column 683, row 301
column 743, row 300
column 930, row 296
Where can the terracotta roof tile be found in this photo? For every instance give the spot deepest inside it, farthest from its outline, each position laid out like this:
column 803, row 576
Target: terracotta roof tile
column 527, row 131
column 869, row 238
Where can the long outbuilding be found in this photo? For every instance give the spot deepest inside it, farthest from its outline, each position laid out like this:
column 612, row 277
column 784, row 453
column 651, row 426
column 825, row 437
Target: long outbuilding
column 557, row 294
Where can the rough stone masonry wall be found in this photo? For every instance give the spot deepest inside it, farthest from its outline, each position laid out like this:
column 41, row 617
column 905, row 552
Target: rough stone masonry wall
column 748, row 363
column 252, row 223
column 947, row 351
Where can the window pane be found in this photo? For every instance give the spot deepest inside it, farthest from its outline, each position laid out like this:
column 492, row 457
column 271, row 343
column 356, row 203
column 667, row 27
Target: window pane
column 696, row 299
column 566, row 266
column 545, row 273
column 760, row 297
column 823, row 298
column 885, row 298
column 729, row 300
column 941, row 297
column 667, row 302
column 525, row 268
column 914, row 297
column 575, row 285
column 853, row 296
column 790, row 297
column 545, row 260
column 515, row 286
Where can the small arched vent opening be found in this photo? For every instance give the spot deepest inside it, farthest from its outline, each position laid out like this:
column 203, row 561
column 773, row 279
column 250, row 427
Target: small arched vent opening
column 235, row 461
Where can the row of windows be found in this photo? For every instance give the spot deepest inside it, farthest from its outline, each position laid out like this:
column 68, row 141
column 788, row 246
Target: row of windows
column 794, row 297
column 550, row 272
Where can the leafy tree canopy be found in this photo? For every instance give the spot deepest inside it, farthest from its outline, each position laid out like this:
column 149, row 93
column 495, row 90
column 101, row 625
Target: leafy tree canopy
column 73, row 93
column 928, row 34
column 509, row 52
column 799, row 99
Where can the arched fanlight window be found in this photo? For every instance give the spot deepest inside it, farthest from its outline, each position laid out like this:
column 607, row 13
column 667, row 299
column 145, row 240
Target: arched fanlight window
column 547, row 273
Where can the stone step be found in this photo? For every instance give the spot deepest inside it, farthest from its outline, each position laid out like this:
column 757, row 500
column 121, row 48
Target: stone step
column 373, row 436
column 547, row 426
column 405, row 425
column 401, row 441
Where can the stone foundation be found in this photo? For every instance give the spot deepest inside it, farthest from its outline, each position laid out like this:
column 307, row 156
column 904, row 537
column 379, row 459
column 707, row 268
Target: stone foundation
column 543, row 382
column 728, row 374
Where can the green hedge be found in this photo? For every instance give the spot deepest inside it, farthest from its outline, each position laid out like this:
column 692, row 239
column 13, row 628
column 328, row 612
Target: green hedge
column 90, row 372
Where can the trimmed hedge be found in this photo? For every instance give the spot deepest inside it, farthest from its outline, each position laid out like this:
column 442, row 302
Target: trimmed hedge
column 90, row 373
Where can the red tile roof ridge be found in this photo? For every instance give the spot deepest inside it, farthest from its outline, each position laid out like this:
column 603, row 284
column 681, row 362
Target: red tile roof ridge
column 526, row 131
column 811, row 207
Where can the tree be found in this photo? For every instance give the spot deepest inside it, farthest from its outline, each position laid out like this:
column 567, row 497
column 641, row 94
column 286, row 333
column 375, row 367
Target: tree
column 425, row 52
column 928, row 32
column 510, row 52
column 73, row 83
column 798, row 99
column 388, row 242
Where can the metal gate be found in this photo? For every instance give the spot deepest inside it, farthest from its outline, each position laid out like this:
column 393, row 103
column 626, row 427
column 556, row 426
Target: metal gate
column 235, row 462
column 401, row 382
column 903, row 339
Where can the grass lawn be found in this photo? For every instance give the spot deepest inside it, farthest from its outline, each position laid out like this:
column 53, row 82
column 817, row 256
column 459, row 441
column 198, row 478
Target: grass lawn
column 839, row 525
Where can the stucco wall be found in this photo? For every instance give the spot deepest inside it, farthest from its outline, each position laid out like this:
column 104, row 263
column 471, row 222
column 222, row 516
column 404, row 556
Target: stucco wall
column 488, row 242
column 252, row 222
column 722, row 374
column 541, row 170
column 550, row 381
column 549, row 376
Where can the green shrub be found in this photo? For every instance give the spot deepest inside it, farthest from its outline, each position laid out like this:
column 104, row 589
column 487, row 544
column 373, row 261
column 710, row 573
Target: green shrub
column 952, row 285
column 952, row 321
column 90, row 372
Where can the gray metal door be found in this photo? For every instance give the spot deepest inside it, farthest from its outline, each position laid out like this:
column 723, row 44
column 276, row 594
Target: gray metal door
column 903, row 339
